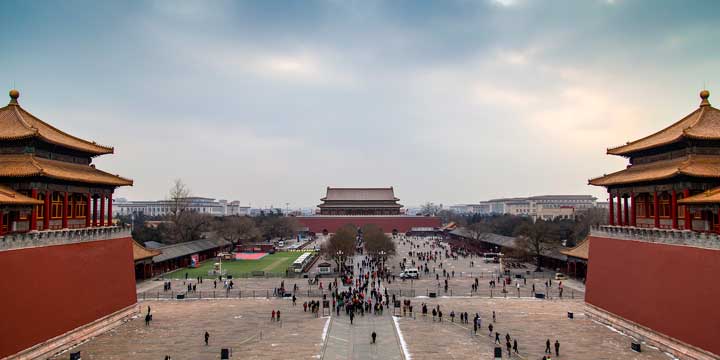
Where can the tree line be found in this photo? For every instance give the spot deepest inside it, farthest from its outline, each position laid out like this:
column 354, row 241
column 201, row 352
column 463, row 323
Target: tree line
column 533, row 238
column 344, row 243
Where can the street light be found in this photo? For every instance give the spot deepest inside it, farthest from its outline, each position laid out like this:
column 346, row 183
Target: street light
column 382, row 257
column 339, row 254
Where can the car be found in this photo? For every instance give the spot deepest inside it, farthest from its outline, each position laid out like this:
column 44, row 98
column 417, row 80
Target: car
column 560, row 276
column 410, row 274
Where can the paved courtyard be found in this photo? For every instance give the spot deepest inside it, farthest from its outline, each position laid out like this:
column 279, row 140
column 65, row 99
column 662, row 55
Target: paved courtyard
column 466, row 270
column 245, row 326
column 243, row 323
column 531, row 322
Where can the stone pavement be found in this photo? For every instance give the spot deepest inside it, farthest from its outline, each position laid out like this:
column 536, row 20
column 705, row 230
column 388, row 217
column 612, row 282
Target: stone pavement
column 347, row 341
column 531, row 322
column 244, row 325
column 467, row 269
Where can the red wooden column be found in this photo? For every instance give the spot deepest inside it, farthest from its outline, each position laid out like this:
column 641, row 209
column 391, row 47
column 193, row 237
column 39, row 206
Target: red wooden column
column 46, row 216
column 619, row 210
column 87, row 210
column 673, row 209
column 688, row 217
column 65, row 211
column 1, row 224
column 633, row 214
column 109, row 222
column 94, row 211
column 611, row 215
column 33, row 215
column 102, row 209
column 656, row 208
column 626, row 214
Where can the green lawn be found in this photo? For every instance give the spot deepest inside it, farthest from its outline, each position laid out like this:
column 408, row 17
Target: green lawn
column 273, row 263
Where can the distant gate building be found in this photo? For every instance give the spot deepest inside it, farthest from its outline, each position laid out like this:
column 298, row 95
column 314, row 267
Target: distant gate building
column 364, row 206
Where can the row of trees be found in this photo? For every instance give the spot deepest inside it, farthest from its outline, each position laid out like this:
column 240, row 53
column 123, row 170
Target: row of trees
column 343, row 243
column 182, row 224
column 537, row 238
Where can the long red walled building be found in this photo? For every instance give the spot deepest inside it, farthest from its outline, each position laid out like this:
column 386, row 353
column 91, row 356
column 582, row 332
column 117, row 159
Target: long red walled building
column 403, row 224
column 51, row 290
column 671, row 289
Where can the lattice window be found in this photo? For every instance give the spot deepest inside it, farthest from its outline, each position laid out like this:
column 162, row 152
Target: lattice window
column 56, row 206
column 80, row 205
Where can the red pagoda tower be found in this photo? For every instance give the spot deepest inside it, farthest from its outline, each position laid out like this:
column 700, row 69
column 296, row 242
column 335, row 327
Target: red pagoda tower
column 651, row 271
column 47, row 181
column 71, row 271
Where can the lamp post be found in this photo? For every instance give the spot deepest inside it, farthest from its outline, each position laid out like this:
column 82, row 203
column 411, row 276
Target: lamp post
column 339, row 255
column 382, row 257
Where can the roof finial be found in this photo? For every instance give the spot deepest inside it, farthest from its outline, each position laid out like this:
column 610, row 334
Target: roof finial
column 704, row 95
column 14, row 95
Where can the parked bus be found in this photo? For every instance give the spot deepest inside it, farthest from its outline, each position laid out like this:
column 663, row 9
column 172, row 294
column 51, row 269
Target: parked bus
column 301, row 262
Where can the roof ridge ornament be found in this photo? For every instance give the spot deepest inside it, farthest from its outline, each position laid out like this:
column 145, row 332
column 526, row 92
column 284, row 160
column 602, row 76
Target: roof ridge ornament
column 704, row 95
column 14, row 95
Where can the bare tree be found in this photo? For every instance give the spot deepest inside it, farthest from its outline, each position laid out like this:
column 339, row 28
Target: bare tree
column 447, row 216
column 341, row 245
column 430, row 209
column 236, row 229
column 183, row 224
column 377, row 242
column 178, row 196
column 282, row 227
column 537, row 239
column 585, row 221
column 479, row 230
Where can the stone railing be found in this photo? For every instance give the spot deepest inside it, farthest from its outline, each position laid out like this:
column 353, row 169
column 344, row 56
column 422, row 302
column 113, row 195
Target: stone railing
column 61, row 237
column 660, row 236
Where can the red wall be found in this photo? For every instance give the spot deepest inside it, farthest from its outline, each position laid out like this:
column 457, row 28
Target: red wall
column 50, row 290
column 670, row 289
column 401, row 223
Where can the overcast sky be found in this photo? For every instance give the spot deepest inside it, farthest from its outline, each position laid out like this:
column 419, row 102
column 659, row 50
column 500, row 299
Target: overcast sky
column 269, row 102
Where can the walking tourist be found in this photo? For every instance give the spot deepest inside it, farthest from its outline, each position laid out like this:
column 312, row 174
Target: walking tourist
column 207, row 337
column 557, row 348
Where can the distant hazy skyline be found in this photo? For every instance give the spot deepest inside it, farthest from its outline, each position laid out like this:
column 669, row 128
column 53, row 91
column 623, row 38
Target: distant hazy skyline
column 269, row 102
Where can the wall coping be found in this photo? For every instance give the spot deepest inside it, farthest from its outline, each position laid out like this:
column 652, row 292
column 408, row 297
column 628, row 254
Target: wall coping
column 659, row 236
column 665, row 343
column 70, row 339
column 62, row 237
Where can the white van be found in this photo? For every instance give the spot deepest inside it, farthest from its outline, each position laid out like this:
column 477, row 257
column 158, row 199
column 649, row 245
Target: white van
column 410, row 274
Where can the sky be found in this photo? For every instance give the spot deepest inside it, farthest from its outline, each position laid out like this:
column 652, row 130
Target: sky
column 270, row 102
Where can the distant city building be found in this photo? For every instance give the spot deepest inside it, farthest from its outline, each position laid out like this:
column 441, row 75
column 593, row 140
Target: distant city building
column 164, row 207
column 482, row 208
column 545, row 207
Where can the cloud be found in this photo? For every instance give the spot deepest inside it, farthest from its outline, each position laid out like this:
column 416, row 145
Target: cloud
column 505, row 3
